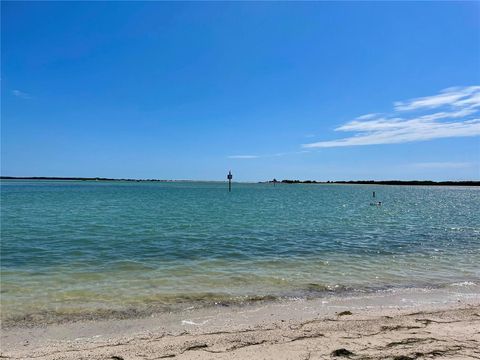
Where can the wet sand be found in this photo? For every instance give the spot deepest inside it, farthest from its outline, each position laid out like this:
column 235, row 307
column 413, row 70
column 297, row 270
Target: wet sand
column 409, row 324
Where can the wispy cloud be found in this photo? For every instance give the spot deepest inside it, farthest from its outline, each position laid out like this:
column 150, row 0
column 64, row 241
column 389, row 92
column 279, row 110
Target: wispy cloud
column 267, row 155
column 454, row 96
column 454, row 112
column 21, row 94
column 367, row 116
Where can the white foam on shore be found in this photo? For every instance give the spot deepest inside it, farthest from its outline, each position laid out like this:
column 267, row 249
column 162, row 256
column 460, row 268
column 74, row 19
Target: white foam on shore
column 464, row 283
column 240, row 317
column 190, row 322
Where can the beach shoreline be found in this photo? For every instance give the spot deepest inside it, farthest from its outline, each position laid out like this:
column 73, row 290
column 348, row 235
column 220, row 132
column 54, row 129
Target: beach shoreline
column 389, row 324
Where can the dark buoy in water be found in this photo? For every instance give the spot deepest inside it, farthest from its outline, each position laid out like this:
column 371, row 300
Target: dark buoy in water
column 374, row 194
column 230, row 177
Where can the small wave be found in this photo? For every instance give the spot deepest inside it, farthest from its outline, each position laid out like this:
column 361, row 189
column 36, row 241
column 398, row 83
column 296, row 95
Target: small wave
column 162, row 304
column 314, row 288
column 464, row 283
column 130, row 265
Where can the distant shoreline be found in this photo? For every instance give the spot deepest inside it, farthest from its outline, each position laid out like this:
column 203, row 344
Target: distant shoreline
column 386, row 182
column 82, row 179
column 351, row 182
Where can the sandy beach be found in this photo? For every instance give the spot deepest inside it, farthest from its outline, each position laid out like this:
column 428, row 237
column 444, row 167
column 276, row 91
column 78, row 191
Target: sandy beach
column 409, row 324
column 276, row 180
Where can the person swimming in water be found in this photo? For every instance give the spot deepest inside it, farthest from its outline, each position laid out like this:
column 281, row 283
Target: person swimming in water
column 377, row 203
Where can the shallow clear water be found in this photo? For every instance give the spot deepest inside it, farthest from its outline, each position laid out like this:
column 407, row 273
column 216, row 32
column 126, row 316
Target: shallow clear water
column 71, row 248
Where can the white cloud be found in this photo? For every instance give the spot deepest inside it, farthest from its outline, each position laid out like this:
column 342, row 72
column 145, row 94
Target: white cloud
column 367, row 116
column 456, row 115
column 454, row 96
column 21, row 94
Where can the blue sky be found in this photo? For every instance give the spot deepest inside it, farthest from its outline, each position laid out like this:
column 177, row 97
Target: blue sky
column 325, row 91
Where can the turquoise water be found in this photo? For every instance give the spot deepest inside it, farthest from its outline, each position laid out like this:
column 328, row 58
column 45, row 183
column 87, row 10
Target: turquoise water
column 71, row 249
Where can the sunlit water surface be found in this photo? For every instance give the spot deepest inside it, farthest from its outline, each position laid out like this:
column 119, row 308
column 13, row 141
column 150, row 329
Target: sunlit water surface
column 72, row 249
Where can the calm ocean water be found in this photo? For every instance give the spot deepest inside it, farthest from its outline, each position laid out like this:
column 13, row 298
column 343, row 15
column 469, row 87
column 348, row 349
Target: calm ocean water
column 91, row 248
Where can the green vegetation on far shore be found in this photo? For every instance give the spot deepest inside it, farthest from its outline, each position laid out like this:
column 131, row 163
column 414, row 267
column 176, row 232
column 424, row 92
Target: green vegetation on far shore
column 387, row 182
column 361, row 182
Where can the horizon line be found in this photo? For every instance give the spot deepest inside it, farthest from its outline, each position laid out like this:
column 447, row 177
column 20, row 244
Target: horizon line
column 285, row 181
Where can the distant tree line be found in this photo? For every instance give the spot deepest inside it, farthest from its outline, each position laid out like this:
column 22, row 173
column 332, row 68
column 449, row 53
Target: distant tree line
column 388, row 182
column 77, row 178
column 364, row 182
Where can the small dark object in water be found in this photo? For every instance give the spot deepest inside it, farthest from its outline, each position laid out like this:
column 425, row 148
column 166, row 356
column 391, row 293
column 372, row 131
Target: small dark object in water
column 114, row 357
column 402, row 357
column 342, row 352
column 345, row 313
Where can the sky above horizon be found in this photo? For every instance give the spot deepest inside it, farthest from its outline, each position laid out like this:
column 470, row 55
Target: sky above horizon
column 171, row 90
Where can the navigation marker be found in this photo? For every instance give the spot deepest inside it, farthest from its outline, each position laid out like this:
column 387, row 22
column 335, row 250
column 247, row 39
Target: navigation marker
column 229, row 177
